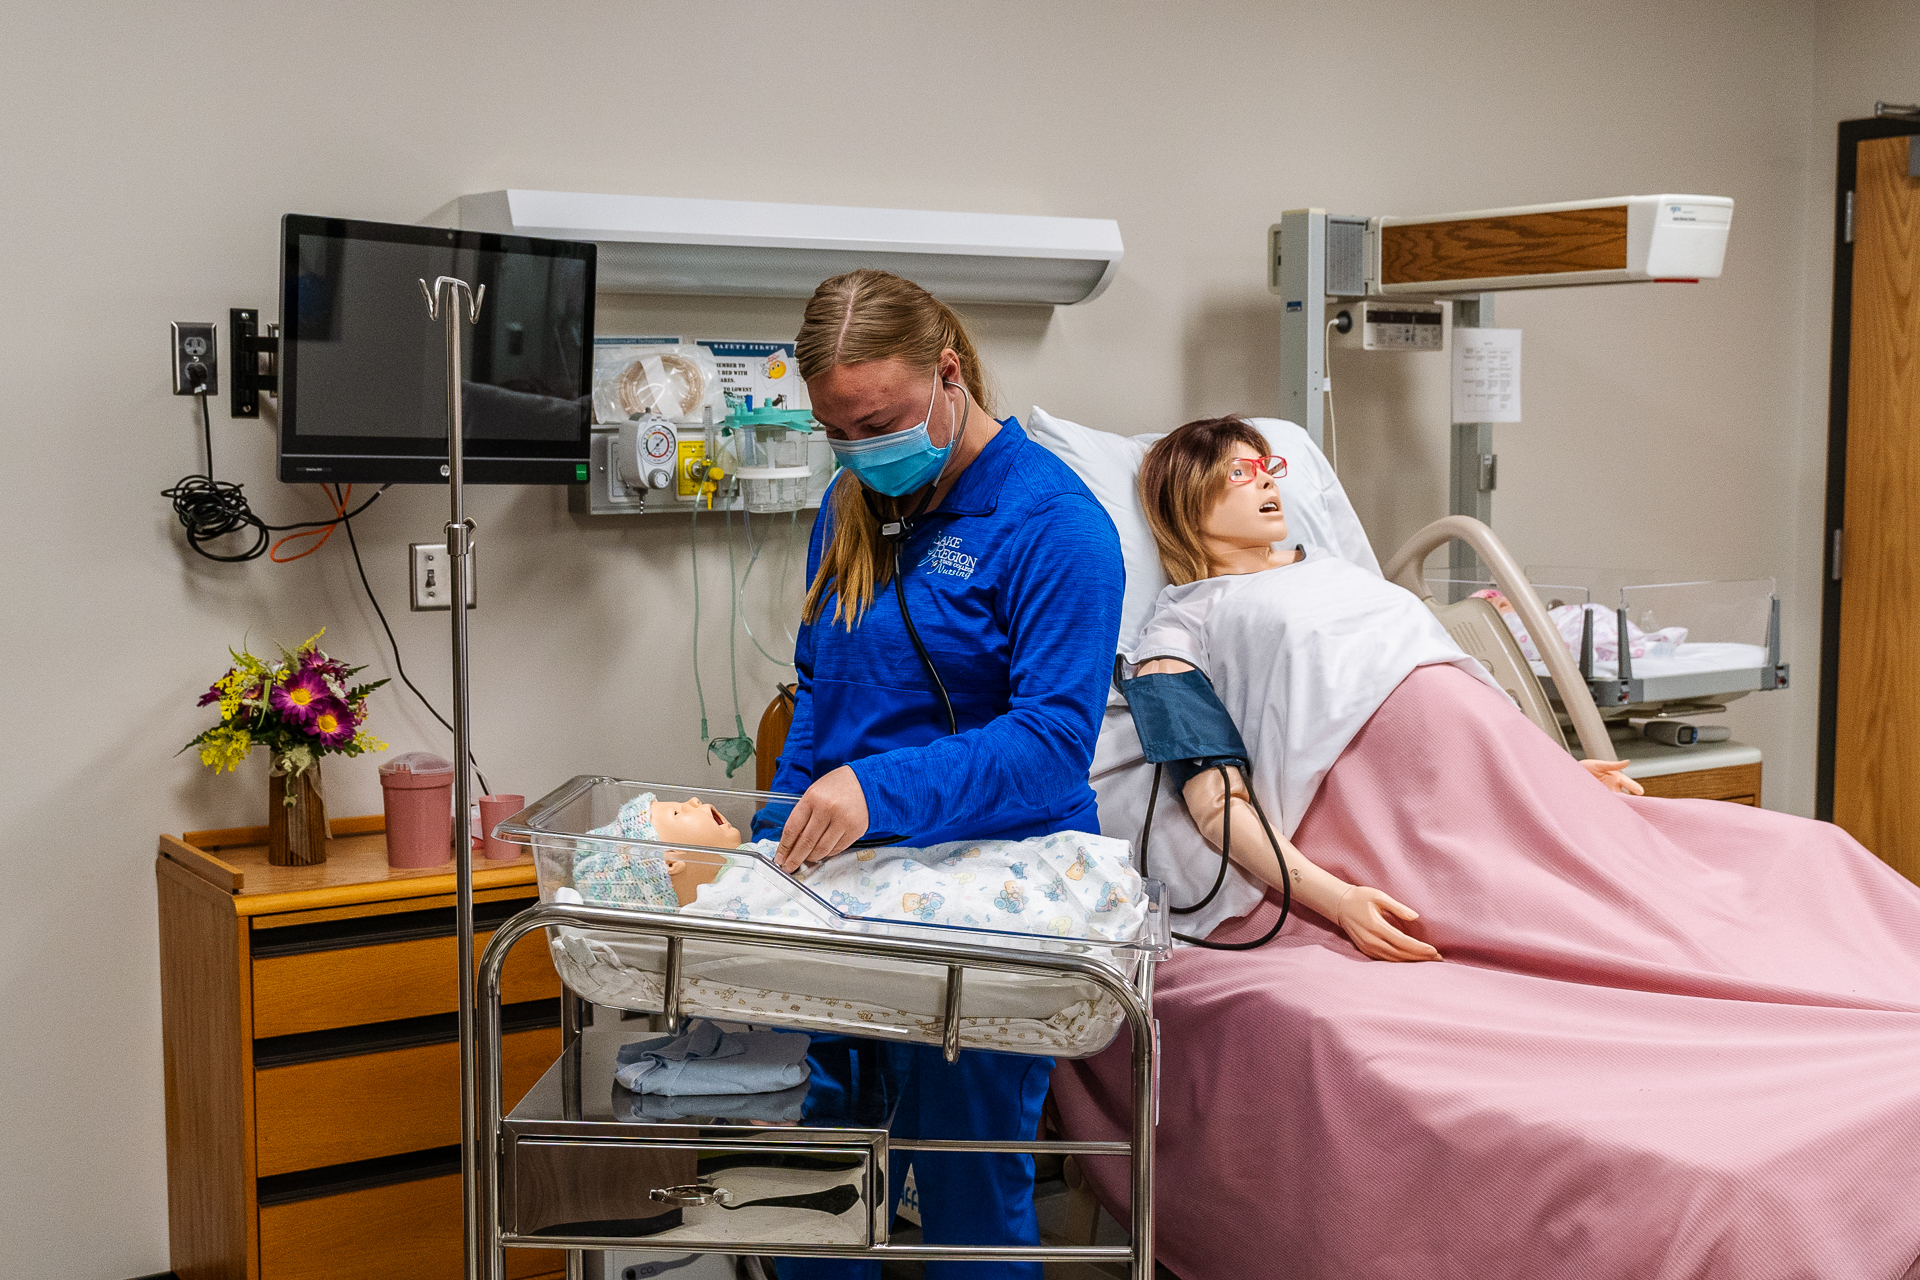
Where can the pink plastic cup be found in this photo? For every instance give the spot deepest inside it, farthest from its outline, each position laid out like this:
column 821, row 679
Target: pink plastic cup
column 418, row 790
column 495, row 810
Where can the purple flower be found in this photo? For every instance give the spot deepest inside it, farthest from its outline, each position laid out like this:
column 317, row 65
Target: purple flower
column 299, row 699
column 331, row 723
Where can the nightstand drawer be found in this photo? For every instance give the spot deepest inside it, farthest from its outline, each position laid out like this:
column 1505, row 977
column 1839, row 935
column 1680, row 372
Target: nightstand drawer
column 312, row 1114
column 404, row 1231
column 348, row 986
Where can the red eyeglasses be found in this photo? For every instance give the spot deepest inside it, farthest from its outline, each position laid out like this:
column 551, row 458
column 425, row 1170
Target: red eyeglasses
column 1273, row 464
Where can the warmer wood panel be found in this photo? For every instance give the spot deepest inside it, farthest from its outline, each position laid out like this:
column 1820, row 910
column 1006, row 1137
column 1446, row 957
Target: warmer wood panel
column 1876, row 756
column 314, row 1114
column 320, row 990
column 1517, row 245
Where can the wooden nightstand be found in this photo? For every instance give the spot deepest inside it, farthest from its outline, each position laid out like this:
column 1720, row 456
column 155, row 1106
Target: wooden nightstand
column 1712, row 771
column 312, row 1061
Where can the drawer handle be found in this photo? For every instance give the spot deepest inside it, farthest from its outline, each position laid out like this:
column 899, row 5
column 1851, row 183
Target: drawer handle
column 689, row 1195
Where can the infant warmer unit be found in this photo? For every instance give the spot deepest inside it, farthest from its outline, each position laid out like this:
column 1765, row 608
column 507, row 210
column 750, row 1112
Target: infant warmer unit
column 583, row 1163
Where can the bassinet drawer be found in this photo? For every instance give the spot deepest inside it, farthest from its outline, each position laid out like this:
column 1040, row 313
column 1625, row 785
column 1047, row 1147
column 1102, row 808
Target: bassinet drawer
column 406, row 1231
column 349, row 986
column 339, row 1110
column 781, row 1193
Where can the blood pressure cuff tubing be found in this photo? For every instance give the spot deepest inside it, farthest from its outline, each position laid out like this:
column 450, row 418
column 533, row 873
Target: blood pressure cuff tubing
column 1182, row 723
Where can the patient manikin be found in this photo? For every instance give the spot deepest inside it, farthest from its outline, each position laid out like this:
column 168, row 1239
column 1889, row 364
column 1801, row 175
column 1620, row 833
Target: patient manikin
column 1237, row 526
column 1069, row 884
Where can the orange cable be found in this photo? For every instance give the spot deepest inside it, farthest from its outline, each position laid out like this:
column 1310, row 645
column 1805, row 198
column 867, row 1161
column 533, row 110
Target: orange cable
column 339, row 505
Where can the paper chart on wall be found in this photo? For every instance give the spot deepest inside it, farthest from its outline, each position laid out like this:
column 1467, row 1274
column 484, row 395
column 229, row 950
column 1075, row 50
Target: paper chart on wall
column 759, row 375
column 1486, row 375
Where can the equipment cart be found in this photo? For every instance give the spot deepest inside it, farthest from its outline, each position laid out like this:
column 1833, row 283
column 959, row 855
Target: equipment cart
column 582, row 1163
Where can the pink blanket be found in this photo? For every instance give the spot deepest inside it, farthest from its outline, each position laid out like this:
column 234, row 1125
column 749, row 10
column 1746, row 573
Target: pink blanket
column 1671, row 1038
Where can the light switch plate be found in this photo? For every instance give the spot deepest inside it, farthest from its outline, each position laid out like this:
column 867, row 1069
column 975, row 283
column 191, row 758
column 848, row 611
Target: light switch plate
column 431, row 575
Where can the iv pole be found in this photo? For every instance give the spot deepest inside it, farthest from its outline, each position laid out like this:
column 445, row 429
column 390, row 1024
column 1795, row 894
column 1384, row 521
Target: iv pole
column 459, row 545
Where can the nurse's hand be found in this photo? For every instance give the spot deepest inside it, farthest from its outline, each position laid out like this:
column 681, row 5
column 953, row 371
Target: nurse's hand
column 830, row 816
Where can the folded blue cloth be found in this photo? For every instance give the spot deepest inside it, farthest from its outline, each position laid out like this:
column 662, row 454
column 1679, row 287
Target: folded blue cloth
column 705, row 1059
column 785, row 1107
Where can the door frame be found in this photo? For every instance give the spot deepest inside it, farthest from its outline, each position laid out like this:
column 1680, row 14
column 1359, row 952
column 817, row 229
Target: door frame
column 1852, row 133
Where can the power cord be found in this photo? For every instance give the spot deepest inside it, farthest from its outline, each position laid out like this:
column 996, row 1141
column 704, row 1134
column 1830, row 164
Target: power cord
column 211, row 509
column 347, row 522
column 1341, row 323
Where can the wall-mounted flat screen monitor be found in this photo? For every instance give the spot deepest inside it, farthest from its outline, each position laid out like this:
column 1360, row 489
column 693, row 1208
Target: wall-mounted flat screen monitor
column 363, row 369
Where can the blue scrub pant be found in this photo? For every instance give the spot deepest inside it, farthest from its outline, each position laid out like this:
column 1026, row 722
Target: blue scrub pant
column 964, row 1198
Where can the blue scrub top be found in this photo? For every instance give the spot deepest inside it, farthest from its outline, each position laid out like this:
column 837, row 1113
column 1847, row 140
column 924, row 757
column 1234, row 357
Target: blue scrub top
column 1014, row 584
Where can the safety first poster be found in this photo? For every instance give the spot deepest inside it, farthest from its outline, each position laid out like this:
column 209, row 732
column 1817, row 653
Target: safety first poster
column 758, row 375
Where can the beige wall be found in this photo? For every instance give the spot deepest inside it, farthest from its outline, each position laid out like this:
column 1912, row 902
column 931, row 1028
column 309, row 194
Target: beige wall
column 150, row 150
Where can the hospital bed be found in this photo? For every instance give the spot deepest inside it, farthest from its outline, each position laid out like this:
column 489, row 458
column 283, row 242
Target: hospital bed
column 581, row 1163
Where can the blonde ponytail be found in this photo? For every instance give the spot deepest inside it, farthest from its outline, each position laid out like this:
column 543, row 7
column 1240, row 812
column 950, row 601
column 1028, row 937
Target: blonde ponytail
column 851, row 319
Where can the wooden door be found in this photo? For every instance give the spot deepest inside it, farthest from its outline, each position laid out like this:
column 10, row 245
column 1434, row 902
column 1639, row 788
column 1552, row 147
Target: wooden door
column 1876, row 740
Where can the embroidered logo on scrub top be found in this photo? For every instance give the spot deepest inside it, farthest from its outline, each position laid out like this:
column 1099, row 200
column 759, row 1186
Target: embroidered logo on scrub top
column 947, row 558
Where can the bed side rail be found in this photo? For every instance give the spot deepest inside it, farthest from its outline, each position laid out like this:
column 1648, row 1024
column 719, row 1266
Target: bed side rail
column 1407, row 567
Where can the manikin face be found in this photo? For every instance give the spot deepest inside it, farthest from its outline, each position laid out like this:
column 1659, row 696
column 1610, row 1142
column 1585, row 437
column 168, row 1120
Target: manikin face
column 1247, row 511
column 693, row 822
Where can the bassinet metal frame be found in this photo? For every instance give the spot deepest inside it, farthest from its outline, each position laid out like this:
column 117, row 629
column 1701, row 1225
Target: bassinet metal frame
column 1134, row 995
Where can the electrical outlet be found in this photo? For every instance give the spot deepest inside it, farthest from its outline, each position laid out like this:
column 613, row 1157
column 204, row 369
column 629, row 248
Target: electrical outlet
column 431, row 572
column 196, row 362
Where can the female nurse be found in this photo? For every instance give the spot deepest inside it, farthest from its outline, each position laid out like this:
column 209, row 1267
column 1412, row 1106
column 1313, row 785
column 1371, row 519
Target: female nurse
column 953, row 658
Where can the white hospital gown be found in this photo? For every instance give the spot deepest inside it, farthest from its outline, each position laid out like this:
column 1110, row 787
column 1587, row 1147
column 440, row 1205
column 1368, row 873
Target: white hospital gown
column 1301, row 656
column 1069, row 884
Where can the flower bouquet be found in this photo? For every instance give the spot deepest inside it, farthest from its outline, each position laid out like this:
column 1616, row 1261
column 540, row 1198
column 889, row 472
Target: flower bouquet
column 300, row 707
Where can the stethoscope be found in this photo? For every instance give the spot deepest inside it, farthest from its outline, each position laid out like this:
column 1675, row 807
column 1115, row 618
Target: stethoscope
column 896, row 531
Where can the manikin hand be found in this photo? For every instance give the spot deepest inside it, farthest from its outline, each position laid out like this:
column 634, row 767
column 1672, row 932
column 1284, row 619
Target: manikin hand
column 1609, row 774
column 1363, row 912
column 830, row 816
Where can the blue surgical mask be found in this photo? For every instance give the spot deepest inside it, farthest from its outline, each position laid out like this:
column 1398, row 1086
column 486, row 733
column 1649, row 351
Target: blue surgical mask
column 898, row 463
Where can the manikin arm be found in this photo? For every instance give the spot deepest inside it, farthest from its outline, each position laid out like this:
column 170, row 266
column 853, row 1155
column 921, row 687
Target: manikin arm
column 1363, row 913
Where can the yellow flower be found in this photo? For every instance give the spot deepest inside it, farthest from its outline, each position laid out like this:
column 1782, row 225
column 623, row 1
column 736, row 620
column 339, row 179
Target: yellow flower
column 225, row 748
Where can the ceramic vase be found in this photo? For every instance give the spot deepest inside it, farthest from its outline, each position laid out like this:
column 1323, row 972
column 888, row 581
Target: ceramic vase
column 297, row 832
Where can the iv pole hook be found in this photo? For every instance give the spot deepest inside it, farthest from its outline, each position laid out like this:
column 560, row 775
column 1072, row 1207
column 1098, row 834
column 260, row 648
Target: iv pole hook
column 474, row 297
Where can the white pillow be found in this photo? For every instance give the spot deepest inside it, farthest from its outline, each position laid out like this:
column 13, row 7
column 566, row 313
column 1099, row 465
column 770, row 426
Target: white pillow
column 1317, row 509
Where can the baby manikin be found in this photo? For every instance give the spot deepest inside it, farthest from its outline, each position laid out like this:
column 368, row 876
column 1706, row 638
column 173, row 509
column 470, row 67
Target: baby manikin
column 1569, row 619
column 1070, row 884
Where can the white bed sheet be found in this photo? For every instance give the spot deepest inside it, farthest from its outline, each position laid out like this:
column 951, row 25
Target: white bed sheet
column 810, row 991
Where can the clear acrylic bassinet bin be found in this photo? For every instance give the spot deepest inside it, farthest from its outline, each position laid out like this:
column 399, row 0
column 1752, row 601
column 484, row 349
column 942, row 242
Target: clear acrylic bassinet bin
column 581, row 846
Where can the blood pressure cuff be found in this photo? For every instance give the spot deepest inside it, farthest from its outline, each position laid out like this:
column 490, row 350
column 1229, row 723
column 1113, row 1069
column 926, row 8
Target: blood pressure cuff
column 1182, row 723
